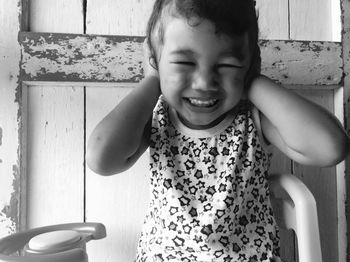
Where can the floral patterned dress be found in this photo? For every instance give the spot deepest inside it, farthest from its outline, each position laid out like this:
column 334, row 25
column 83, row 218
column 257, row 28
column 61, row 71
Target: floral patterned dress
column 209, row 192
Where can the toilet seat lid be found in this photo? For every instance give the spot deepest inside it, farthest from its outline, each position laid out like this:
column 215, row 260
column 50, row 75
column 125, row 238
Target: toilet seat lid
column 54, row 240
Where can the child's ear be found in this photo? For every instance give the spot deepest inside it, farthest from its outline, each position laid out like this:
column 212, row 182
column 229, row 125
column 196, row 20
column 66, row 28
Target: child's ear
column 153, row 62
column 150, row 62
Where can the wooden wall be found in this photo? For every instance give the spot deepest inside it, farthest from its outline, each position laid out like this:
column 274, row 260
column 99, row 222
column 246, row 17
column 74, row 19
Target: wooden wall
column 9, row 117
column 59, row 118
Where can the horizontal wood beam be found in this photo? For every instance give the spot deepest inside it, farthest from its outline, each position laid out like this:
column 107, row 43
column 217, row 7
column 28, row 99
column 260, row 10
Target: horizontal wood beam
column 117, row 59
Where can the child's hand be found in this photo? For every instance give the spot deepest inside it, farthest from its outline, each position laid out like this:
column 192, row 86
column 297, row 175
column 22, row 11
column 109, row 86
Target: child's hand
column 150, row 66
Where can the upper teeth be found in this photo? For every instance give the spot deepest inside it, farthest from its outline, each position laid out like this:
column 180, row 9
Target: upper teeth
column 198, row 102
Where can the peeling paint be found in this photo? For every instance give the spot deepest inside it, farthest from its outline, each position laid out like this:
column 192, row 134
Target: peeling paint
column 302, row 62
column 92, row 58
column 9, row 215
column 344, row 238
column 11, row 13
column 7, row 226
column 57, row 57
column 13, row 211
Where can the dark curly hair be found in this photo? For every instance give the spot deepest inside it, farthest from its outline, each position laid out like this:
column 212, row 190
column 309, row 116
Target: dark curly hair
column 230, row 17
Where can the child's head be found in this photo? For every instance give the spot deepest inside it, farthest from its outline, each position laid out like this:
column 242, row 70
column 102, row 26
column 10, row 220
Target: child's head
column 205, row 52
column 230, row 17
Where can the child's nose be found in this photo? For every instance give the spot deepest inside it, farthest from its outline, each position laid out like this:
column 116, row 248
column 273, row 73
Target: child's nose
column 205, row 81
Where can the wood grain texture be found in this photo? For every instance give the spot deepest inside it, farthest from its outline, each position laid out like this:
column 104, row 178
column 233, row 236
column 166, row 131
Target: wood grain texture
column 55, row 155
column 271, row 25
column 58, row 57
column 55, row 130
column 126, row 17
column 302, row 62
column 345, row 6
column 10, row 117
column 311, row 20
column 63, row 16
column 91, row 58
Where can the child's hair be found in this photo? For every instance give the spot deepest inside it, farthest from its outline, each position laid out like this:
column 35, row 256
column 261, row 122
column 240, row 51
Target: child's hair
column 230, row 17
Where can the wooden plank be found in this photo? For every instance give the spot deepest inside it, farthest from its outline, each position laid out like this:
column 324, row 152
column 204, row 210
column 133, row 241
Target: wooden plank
column 81, row 58
column 311, row 20
column 119, row 201
column 63, row 16
column 341, row 182
column 55, row 130
column 55, row 155
column 301, row 62
column 125, row 17
column 91, row 58
column 10, row 125
column 345, row 7
column 273, row 19
column 322, row 182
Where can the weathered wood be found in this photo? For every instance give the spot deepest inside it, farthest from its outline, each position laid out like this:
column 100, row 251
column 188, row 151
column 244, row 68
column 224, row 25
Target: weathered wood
column 302, row 62
column 10, row 118
column 345, row 5
column 311, row 20
column 55, row 155
column 63, row 16
column 81, row 58
column 55, row 130
column 271, row 25
column 126, row 17
column 91, row 58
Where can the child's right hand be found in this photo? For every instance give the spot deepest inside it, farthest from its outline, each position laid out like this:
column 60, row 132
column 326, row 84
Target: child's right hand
column 149, row 63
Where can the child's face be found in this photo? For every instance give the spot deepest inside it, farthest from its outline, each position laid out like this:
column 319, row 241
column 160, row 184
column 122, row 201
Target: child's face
column 201, row 72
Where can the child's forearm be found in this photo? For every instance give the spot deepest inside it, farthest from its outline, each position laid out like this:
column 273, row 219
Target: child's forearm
column 121, row 137
column 309, row 133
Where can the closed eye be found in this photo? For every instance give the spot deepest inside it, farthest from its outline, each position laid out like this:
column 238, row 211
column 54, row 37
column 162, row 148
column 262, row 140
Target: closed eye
column 229, row 66
column 186, row 63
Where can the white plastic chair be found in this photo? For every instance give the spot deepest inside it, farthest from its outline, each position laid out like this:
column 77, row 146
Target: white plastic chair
column 297, row 212
column 16, row 242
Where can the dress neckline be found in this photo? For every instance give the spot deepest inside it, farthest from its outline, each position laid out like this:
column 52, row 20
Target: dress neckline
column 202, row 133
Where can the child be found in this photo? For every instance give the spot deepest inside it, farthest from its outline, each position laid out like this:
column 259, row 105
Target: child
column 208, row 118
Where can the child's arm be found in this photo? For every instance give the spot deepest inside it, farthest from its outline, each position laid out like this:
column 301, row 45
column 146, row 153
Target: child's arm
column 302, row 130
column 123, row 135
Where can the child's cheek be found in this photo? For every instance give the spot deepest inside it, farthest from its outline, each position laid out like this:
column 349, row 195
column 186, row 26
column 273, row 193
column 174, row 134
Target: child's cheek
column 175, row 81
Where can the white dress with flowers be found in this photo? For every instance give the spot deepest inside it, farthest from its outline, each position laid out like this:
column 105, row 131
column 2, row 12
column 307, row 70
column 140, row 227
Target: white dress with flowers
column 209, row 192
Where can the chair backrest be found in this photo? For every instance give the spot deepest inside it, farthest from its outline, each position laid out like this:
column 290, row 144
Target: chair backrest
column 297, row 211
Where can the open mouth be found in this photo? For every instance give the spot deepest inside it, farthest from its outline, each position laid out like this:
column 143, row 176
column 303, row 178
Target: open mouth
column 202, row 102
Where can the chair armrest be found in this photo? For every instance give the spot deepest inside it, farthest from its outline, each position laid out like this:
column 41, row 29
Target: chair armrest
column 303, row 210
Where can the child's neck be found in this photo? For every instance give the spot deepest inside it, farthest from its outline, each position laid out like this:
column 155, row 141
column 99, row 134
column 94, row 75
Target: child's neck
column 203, row 127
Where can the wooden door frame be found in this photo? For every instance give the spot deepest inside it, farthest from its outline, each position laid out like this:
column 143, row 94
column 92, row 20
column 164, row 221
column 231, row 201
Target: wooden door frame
column 345, row 14
column 98, row 56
